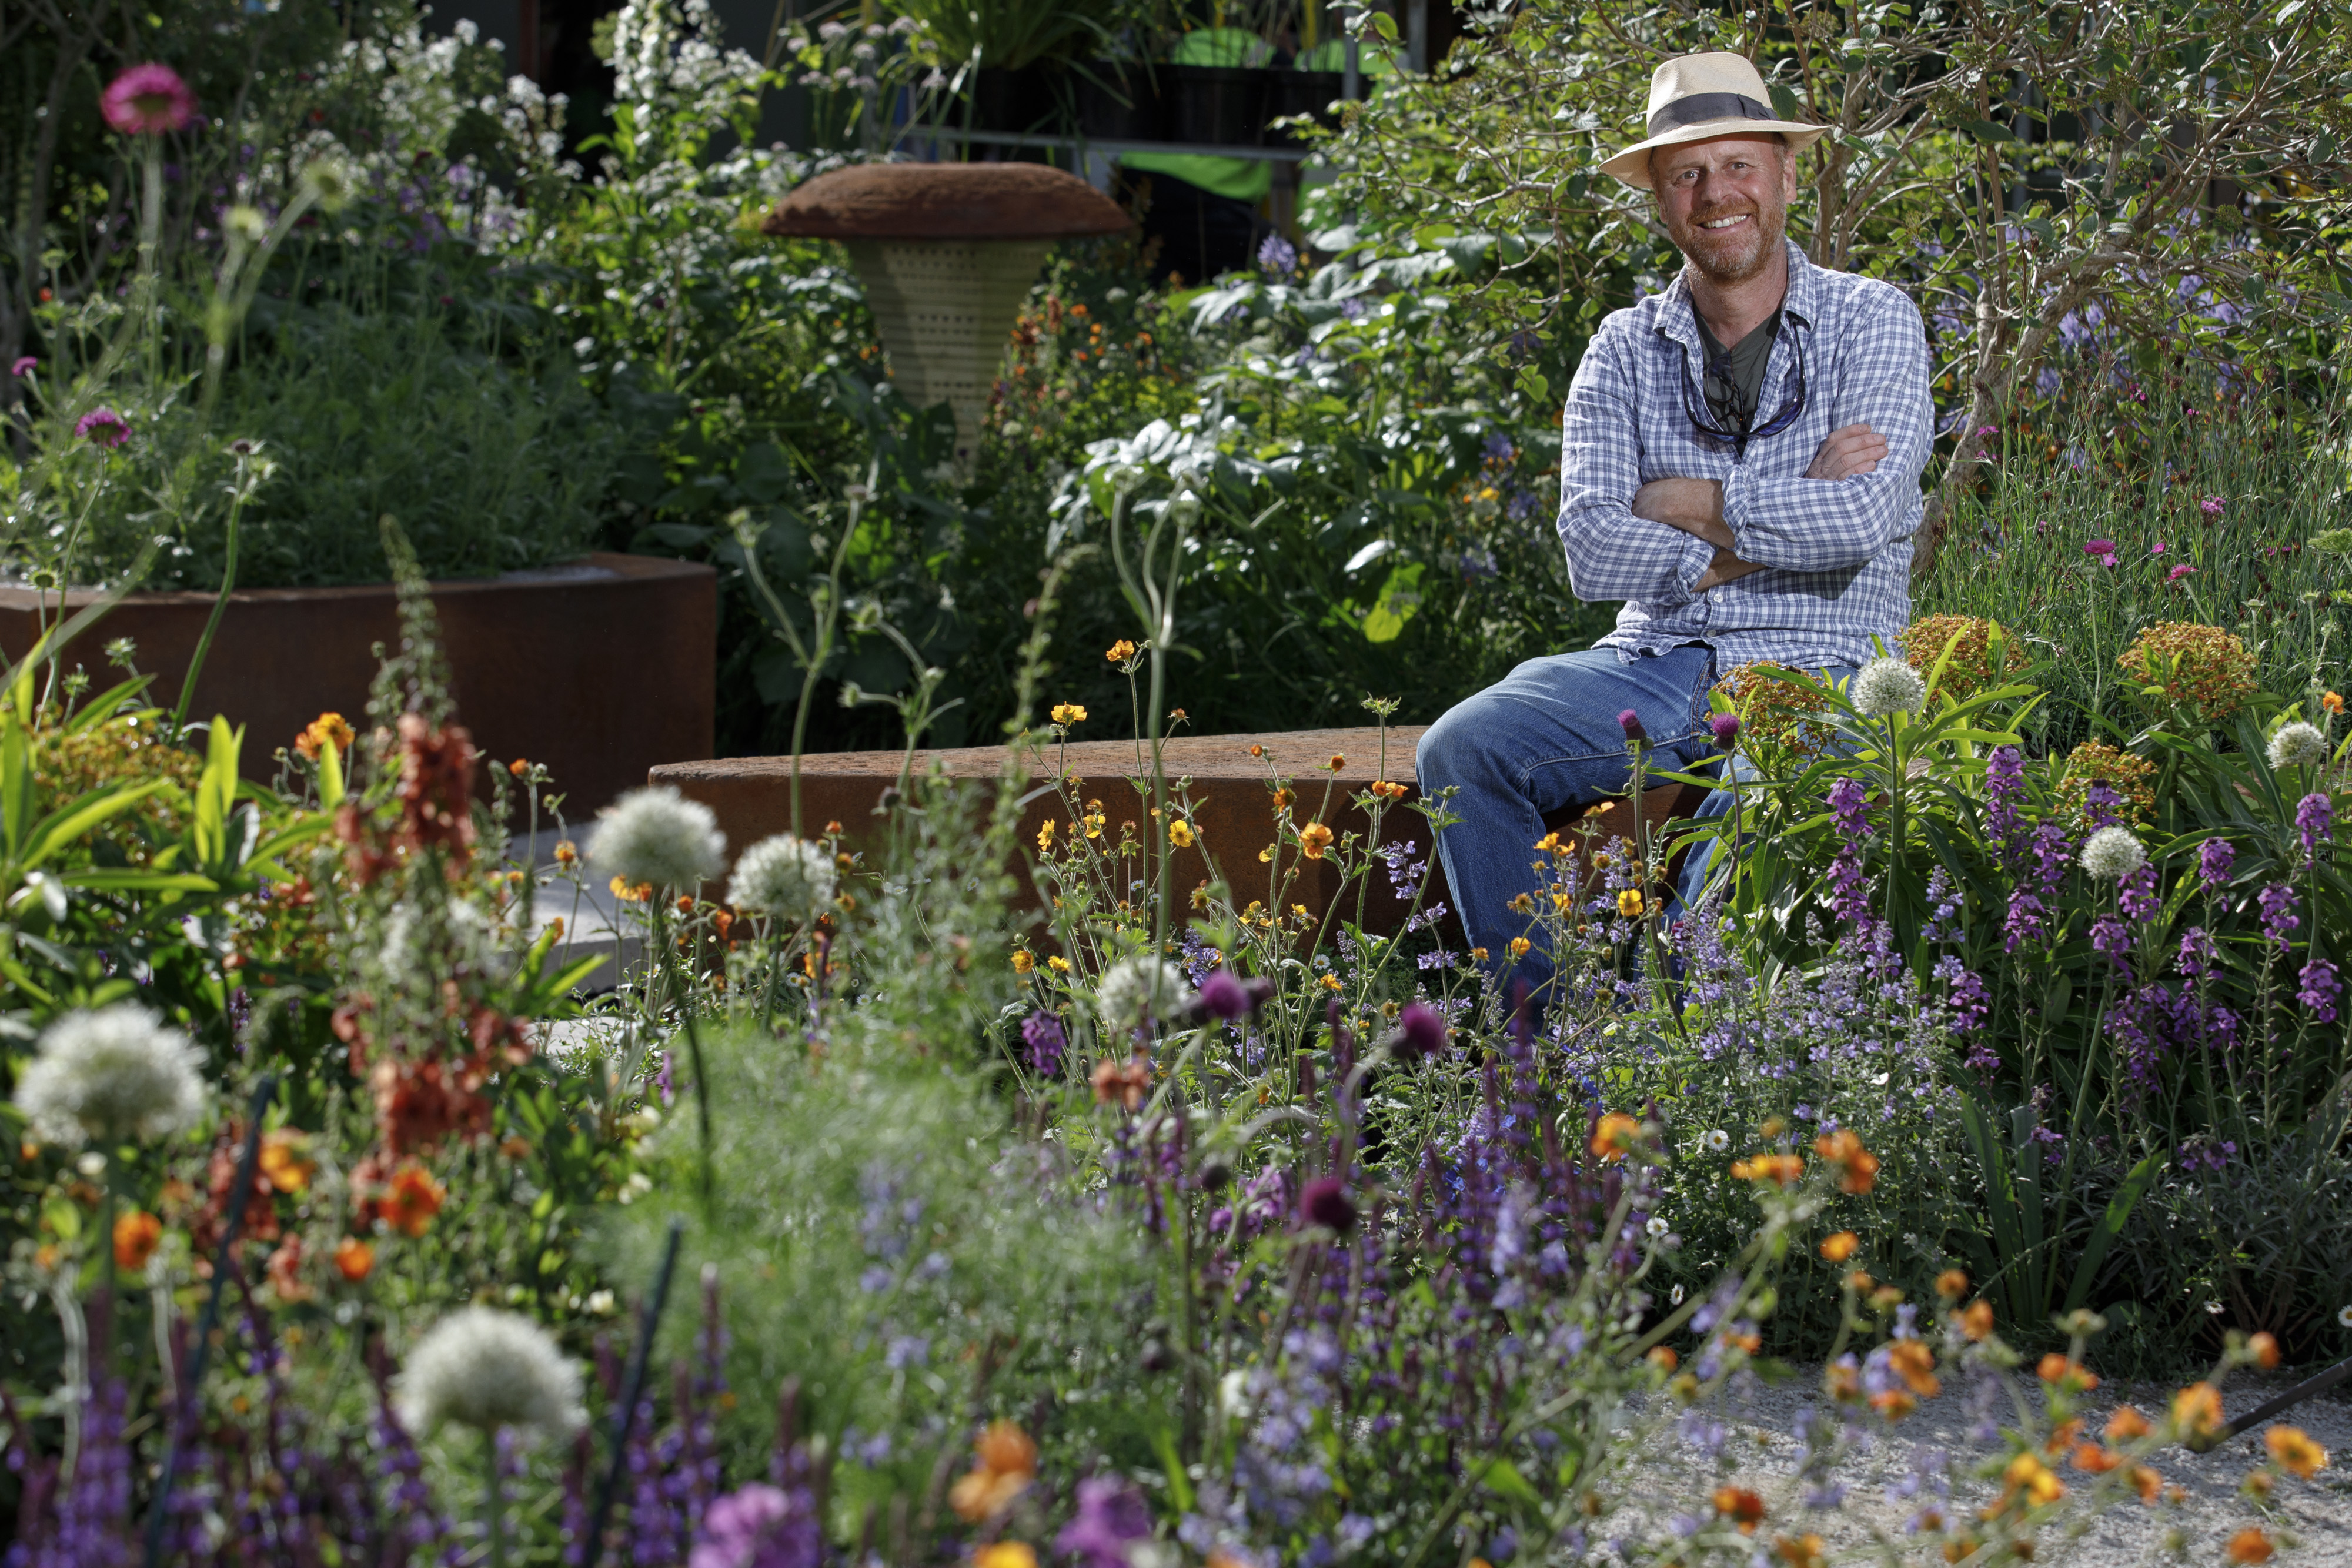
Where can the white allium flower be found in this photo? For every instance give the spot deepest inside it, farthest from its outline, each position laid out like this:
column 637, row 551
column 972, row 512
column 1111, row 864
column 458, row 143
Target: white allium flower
column 489, row 1369
column 1717, row 1141
column 657, row 835
column 119, row 1072
column 2298, row 744
column 1139, row 990
column 2113, row 853
column 782, row 875
column 1886, row 686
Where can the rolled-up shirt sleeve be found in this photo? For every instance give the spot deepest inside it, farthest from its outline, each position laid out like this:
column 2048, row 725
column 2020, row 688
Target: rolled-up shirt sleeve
column 1827, row 525
column 1612, row 553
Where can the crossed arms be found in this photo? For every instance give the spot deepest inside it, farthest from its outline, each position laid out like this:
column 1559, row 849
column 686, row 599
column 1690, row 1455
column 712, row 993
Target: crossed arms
column 1666, row 541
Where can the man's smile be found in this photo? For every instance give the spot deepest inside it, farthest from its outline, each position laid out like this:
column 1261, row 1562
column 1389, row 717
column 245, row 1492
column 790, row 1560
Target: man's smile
column 1718, row 224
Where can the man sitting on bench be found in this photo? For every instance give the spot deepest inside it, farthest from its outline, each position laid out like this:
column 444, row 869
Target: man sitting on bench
column 1740, row 463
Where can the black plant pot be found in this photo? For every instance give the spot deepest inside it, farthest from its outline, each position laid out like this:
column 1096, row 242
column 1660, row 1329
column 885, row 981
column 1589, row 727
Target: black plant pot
column 1301, row 92
column 1022, row 101
column 1119, row 103
column 1215, row 105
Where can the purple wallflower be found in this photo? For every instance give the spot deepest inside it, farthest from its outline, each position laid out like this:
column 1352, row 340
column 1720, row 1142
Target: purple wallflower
column 2315, row 820
column 1112, row 1514
column 2004, row 789
column 2215, row 859
column 2278, row 901
column 1041, row 1032
column 1850, row 804
column 2136, row 894
column 2320, row 989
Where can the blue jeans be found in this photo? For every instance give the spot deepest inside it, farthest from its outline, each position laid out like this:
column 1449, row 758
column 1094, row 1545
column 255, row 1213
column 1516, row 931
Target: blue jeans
column 1544, row 738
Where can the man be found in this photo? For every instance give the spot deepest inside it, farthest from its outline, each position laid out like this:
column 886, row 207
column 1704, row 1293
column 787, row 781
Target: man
column 1740, row 465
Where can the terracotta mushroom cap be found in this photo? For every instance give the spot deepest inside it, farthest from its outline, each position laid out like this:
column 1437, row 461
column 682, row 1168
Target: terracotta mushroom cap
column 945, row 201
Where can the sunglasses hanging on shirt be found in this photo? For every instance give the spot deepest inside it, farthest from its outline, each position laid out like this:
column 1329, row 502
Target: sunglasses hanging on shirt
column 1702, row 421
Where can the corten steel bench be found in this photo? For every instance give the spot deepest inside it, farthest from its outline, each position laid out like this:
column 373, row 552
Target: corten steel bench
column 1231, row 804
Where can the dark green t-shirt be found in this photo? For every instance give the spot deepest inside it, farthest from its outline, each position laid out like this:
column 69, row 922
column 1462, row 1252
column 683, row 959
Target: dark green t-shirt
column 1733, row 402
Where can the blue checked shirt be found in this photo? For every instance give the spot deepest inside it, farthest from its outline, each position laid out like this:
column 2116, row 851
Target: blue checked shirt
column 1836, row 552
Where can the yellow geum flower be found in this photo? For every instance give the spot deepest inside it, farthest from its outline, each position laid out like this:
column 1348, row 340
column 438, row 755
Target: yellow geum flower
column 1067, row 714
column 1629, row 904
column 1058, row 964
column 1045, row 838
column 1179, row 833
column 1120, row 652
column 1023, row 961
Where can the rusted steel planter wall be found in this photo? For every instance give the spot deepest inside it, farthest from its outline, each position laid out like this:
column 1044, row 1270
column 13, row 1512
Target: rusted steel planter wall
column 601, row 670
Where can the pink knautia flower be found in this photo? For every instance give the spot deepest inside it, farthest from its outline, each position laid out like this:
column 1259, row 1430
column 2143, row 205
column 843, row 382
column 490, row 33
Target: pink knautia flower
column 2156, row 548
column 104, row 426
column 147, row 101
column 2101, row 551
column 23, row 366
column 2210, row 505
column 2177, row 572
column 1985, row 430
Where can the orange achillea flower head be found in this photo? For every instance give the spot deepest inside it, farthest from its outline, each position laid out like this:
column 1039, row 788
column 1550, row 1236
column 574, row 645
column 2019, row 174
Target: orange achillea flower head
column 2126, row 1425
column 1781, row 711
column 2200, row 668
column 2036, row 1482
column 1952, row 1284
column 1839, row 1248
column 1857, row 1167
column 2196, row 1409
column 412, row 1199
column 2250, row 1545
column 1004, row 1463
column 1740, row 1506
column 1976, row 1321
column 2294, row 1450
column 1120, row 652
column 1314, row 838
column 2097, row 762
column 2061, row 1370
column 136, row 1236
column 1915, row 1362
column 285, row 1159
column 354, row 1259
column 1614, row 1136
column 327, row 729
column 1980, row 655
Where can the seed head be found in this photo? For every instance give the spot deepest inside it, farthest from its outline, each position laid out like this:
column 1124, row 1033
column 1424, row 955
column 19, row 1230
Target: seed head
column 1140, row 991
column 657, row 835
column 2298, row 744
column 489, row 1369
column 782, row 875
column 2112, row 854
column 116, row 1074
column 1888, row 687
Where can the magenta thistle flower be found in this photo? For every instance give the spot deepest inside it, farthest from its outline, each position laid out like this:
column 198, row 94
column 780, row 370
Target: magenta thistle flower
column 104, row 426
column 22, row 366
column 1222, row 997
column 1631, row 723
column 1324, row 1201
column 1726, row 728
column 1419, row 1031
column 147, row 101
column 2101, row 551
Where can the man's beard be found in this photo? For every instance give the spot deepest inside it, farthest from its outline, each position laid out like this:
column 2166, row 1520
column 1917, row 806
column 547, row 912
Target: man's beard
column 1727, row 268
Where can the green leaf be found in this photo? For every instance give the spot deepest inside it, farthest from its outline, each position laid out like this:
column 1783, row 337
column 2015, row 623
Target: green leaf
column 1503, row 1479
column 1784, row 100
column 1399, row 600
column 1986, row 130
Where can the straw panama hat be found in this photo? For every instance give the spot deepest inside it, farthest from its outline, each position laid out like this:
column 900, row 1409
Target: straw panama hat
column 1694, row 96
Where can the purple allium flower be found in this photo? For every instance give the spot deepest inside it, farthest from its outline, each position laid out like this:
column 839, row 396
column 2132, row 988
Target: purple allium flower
column 104, row 426
column 147, row 101
column 1725, row 726
column 1041, row 1032
column 1419, row 1031
column 1222, row 997
column 1112, row 1514
column 2315, row 820
column 1324, row 1201
column 23, row 365
column 2215, row 859
column 2320, row 989
column 2101, row 551
column 1631, row 723
column 759, row 1527
column 1277, row 255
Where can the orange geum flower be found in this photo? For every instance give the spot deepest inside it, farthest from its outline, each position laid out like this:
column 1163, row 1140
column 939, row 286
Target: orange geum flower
column 138, row 1233
column 413, row 1200
column 1915, row 1364
column 1339, row 760
column 283, row 1159
column 1017, row 1554
column 1843, row 1380
column 1519, row 947
column 1004, row 1463
column 1799, row 1550
column 2146, row 1482
column 2058, row 1369
column 1068, row 714
column 2126, row 1425
column 2294, row 1450
column 1740, row 1506
column 2262, row 1350
column 2026, row 1474
column 1894, row 1404
column 1857, row 1167
column 1839, row 1248
column 2196, row 1409
column 2250, row 1545
column 2332, row 700
column 1179, row 833
column 1952, row 1284
column 2097, row 1460
column 1614, row 1136
column 1663, row 1358
column 1976, row 1319
column 327, row 729
column 1121, row 652
column 1314, row 838
column 1783, row 1170
column 1387, row 790
column 354, row 1259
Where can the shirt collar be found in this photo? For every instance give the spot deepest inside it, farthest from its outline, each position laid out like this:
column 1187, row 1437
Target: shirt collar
column 1679, row 320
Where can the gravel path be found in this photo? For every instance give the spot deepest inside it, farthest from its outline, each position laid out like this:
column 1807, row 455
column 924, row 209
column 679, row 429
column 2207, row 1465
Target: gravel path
column 2315, row 1516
